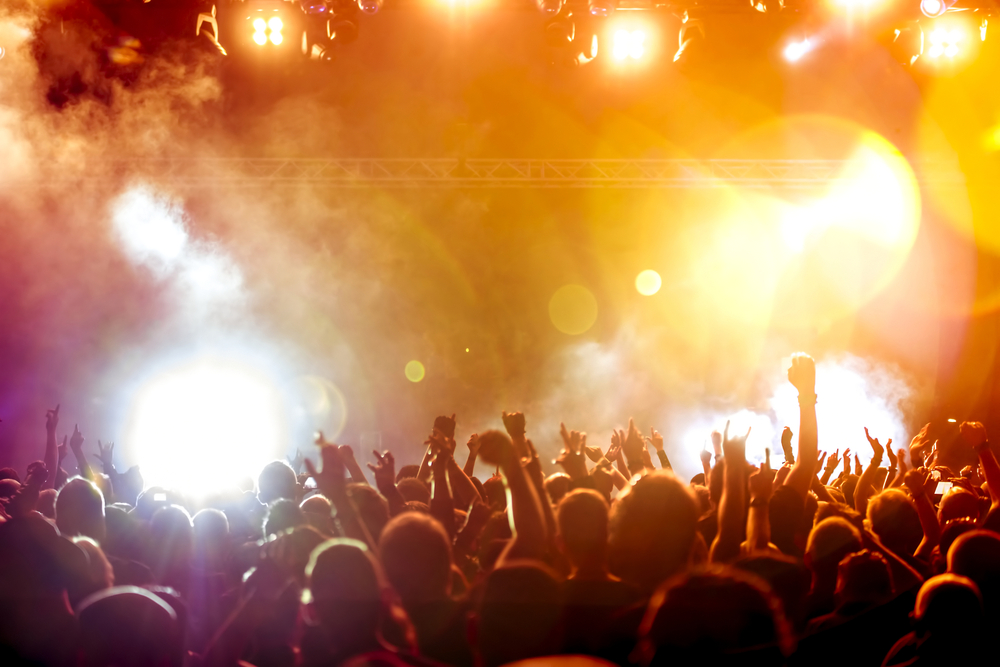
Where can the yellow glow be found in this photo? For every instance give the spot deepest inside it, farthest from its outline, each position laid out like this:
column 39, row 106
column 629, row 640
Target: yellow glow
column 275, row 24
column 259, row 25
column 228, row 417
column 260, row 38
column 573, row 309
column 414, row 371
column 648, row 282
column 276, row 38
column 629, row 44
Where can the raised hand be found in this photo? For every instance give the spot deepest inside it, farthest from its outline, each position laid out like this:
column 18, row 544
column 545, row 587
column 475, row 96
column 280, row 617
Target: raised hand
column 52, row 420
column 446, row 425
column 655, row 439
column 76, row 440
column 802, row 374
column 786, row 444
column 858, row 470
column 833, row 461
column 105, row 454
column 514, row 423
column 877, row 448
column 717, row 443
column 919, row 482
column 706, row 461
column 762, row 481
column 633, row 445
column 973, row 433
column 473, row 443
column 734, row 449
column 893, row 459
column 331, row 480
column 572, row 457
column 63, row 449
column 820, row 460
column 847, row 461
column 593, row 453
column 384, row 470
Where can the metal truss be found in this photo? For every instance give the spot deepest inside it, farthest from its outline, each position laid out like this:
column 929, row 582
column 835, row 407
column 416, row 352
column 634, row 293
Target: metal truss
column 499, row 173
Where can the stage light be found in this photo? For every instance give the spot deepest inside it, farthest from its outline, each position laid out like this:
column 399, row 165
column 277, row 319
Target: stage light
column 944, row 42
column 601, row 8
column 259, row 25
column 648, row 282
column 370, row 6
column 765, row 6
column 796, row 50
column 550, row 7
column 933, row 8
column 560, row 33
column 275, row 24
column 414, row 371
column 203, row 425
column 629, row 44
column 276, row 38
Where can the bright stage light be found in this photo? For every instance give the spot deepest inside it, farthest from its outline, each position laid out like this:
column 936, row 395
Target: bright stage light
column 944, row 42
column 370, row 6
column 629, row 44
column 933, row 8
column 795, row 50
column 550, row 7
column 206, row 424
column 601, row 8
column 259, row 25
column 260, row 38
column 648, row 282
column 275, row 24
column 276, row 38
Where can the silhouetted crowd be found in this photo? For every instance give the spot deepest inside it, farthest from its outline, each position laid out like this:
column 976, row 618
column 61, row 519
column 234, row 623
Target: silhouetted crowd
column 614, row 559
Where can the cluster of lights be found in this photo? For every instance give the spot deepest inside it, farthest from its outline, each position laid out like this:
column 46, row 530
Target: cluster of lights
column 267, row 30
column 944, row 43
column 629, row 44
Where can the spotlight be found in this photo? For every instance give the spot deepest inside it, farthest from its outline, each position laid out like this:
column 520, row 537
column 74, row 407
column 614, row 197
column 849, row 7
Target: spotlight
column 690, row 37
column 276, row 38
column 370, row 6
column 796, row 50
column 935, row 8
column 342, row 31
column 550, row 7
column 944, row 42
column 629, row 44
column 275, row 24
column 259, row 25
column 765, row 6
column 601, row 8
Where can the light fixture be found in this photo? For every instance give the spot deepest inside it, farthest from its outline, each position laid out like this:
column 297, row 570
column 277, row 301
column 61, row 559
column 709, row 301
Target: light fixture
column 629, row 44
column 275, row 24
column 560, row 33
column 601, row 8
column 935, row 8
column 550, row 7
column 794, row 51
column 690, row 39
column 944, row 42
column 765, row 6
column 370, row 6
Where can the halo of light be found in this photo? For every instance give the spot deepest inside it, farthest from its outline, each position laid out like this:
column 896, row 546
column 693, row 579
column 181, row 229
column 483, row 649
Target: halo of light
column 648, row 282
column 275, row 23
column 414, row 371
column 933, row 8
column 573, row 309
column 260, row 38
column 322, row 404
column 259, row 25
column 206, row 424
column 276, row 38
column 796, row 50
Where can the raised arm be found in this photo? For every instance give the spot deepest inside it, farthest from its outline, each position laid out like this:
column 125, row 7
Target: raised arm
column 385, row 481
column 786, row 445
column 726, row 545
column 920, row 487
column 470, row 462
column 656, row 440
column 865, row 488
column 332, row 483
column 528, row 522
column 442, row 505
column 51, row 450
column 351, row 464
column 758, row 518
column 831, row 466
column 974, row 435
column 76, row 444
column 802, row 375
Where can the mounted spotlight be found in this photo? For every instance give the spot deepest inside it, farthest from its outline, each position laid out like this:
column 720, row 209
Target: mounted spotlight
column 935, row 8
column 765, row 6
column 946, row 43
column 601, row 8
column 560, row 33
column 691, row 40
column 370, row 6
column 267, row 28
column 629, row 44
column 341, row 30
column 550, row 7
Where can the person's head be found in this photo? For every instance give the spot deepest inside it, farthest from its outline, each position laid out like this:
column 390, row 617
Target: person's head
column 863, row 578
column 786, row 513
column 557, row 485
column 788, row 578
column 413, row 490
column 496, row 493
column 582, row 520
column 958, row 503
column 715, row 616
column 129, row 485
column 345, row 591
column 409, row 470
column 651, row 530
column 276, row 480
column 171, row 543
column 8, row 489
column 46, row 504
column 80, row 510
column 893, row 518
column 949, row 533
column 416, row 555
column 830, row 542
column 282, row 515
column 9, row 473
column 100, row 574
column 128, row 627
column 211, row 537
column 518, row 615
column 976, row 555
column 372, row 507
column 949, row 606
column 318, row 513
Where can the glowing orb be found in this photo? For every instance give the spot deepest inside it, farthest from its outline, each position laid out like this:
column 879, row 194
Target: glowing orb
column 414, row 371
column 795, row 50
column 629, row 44
column 573, row 309
column 204, row 425
column 648, row 282
column 259, row 25
column 276, row 38
column 275, row 23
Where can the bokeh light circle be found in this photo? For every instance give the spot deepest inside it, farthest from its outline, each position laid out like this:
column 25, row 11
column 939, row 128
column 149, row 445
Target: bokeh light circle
column 573, row 309
column 648, row 282
column 414, row 371
column 206, row 424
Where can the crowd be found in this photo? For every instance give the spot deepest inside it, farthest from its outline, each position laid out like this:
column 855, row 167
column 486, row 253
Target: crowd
column 612, row 560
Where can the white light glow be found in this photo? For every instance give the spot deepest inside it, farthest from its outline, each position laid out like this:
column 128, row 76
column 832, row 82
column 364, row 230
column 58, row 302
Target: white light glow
column 275, row 24
column 629, row 44
column 259, row 25
column 204, row 425
column 933, row 8
column 795, row 50
column 945, row 42
column 260, row 38
column 150, row 229
column 276, row 38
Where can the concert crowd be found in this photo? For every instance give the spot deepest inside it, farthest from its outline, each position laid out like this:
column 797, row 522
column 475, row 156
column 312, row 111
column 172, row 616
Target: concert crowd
column 613, row 560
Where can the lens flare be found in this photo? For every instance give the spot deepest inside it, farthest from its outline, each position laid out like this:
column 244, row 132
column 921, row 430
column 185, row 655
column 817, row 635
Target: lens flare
column 573, row 309
column 629, row 44
column 414, row 371
column 648, row 282
column 796, row 50
column 204, row 425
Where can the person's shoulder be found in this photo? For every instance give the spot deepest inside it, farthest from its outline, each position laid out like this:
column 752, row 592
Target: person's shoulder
column 904, row 652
